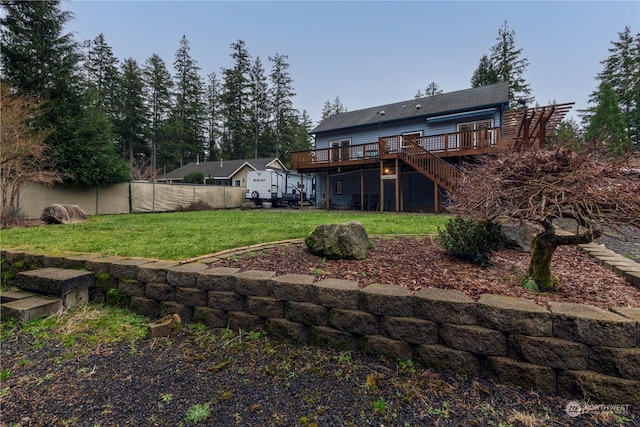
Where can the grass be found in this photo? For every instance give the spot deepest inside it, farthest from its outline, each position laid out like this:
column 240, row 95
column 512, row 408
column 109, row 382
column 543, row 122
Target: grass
column 183, row 235
column 85, row 327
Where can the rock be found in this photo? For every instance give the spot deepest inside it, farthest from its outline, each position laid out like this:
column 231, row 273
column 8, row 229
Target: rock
column 339, row 241
column 248, row 205
column 520, row 234
column 63, row 214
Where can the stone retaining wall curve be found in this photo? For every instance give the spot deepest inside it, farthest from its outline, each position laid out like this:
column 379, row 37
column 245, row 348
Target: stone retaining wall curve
column 572, row 349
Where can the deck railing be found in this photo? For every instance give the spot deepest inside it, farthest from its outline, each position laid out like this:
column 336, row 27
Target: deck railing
column 458, row 143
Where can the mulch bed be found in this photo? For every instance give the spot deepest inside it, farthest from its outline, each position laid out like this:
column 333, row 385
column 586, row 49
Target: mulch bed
column 423, row 263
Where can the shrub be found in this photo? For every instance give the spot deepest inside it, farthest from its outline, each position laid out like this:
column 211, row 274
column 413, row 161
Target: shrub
column 11, row 217
column 471, row 239
column 194, row 177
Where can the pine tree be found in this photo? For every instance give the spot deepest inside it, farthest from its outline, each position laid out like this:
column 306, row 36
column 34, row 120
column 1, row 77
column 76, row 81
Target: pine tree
column 330, row 108
column 103, row 74
column 485, row 74
column 260, row 112
column 505, row 64
column 40, row 60
column 236, row 102
column 607, row 124
column 131, row 125
column 510, row 67
column 189, row 109
column 214, row 116
column 327, row 109
column 433, row 89
column 158, row 85
column 622, row 72
column 285, row 116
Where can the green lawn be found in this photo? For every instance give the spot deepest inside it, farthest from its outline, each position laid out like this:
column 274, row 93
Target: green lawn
column 182, row 235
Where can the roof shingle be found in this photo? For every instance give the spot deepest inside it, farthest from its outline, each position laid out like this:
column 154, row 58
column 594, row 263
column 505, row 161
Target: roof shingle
column 446, row 103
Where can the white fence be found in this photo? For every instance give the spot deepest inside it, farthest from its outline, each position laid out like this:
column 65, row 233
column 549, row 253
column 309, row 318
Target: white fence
column 133, row 197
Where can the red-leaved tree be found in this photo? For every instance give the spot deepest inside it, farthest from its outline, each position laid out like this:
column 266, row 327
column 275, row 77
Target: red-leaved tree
column 600, row 192
column 22, row 148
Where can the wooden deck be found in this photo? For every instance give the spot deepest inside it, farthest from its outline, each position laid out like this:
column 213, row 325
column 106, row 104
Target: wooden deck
column 396, row 147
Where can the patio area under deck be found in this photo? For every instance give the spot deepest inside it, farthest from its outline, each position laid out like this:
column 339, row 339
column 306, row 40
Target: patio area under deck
column 390, row 154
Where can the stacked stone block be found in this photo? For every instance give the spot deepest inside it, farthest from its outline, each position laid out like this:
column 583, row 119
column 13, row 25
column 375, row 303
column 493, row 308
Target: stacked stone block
column 573, row 349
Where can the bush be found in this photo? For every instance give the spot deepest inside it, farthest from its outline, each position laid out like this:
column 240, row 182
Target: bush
column 11, row 217
column 471, row 239
column 194, row 178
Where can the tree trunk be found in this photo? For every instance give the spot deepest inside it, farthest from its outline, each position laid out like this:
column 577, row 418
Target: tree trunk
column 544, row 246
column 540, row 263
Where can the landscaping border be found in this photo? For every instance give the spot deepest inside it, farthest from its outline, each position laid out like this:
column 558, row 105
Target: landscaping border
column 574, row 350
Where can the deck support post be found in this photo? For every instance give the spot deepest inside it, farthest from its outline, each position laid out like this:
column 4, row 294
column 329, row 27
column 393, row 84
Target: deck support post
column 381, row 180
column 397, row 171
column 436, row 197
column 328, row 191
column 361, row 189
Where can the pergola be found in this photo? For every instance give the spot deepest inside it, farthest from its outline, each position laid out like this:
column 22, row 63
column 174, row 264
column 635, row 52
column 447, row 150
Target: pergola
column 528, row 126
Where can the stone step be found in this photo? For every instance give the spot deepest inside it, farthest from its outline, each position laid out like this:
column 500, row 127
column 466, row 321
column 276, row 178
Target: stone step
column 15, row 295
column 55, row 281
column 30, row 308
column 71, row 285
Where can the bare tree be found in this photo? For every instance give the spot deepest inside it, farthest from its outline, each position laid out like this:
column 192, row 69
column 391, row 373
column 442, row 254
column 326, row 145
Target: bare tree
column 600, row 192
column 22, row 147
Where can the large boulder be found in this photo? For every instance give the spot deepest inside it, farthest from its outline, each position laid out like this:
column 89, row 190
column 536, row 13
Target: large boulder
column 339, row 241
column 520, row 234
column 63, row 214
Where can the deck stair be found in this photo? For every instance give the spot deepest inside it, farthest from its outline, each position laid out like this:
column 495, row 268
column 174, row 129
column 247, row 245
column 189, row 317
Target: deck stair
column 45, row 291
column 428, row 164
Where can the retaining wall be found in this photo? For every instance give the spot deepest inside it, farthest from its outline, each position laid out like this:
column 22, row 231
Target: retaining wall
column 575, row 350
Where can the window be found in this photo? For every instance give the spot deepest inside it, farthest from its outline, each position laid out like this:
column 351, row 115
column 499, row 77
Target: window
column 337, row 187
column 237, row 183
column 476, row 134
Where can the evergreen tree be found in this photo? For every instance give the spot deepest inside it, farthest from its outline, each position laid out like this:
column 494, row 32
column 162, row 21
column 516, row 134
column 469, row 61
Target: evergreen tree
column 214, row 117
column 260, row 112
column 189, row 109
column 485, row 74
column 131, row 126
column 158, row 85
column 330, row 108
column 607, row 124
column 505, row 64
column 622, row 72
column 40, row 60
column 433, row 89
column 327, row 109
column 103, row 75
column 236, row 103
column 285, row 116
column 303, row 139
column 568, row 134
column 510, row 67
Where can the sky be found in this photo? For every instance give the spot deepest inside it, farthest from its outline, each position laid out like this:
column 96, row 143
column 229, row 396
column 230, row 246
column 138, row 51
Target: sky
column 370, row 53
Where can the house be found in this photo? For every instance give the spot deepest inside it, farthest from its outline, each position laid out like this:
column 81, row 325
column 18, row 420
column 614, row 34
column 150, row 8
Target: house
column 405, row 156
column 222, row 172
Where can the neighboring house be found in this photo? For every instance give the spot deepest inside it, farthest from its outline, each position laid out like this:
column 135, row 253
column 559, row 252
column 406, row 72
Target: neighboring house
column 404, row 156
column 222, row 172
